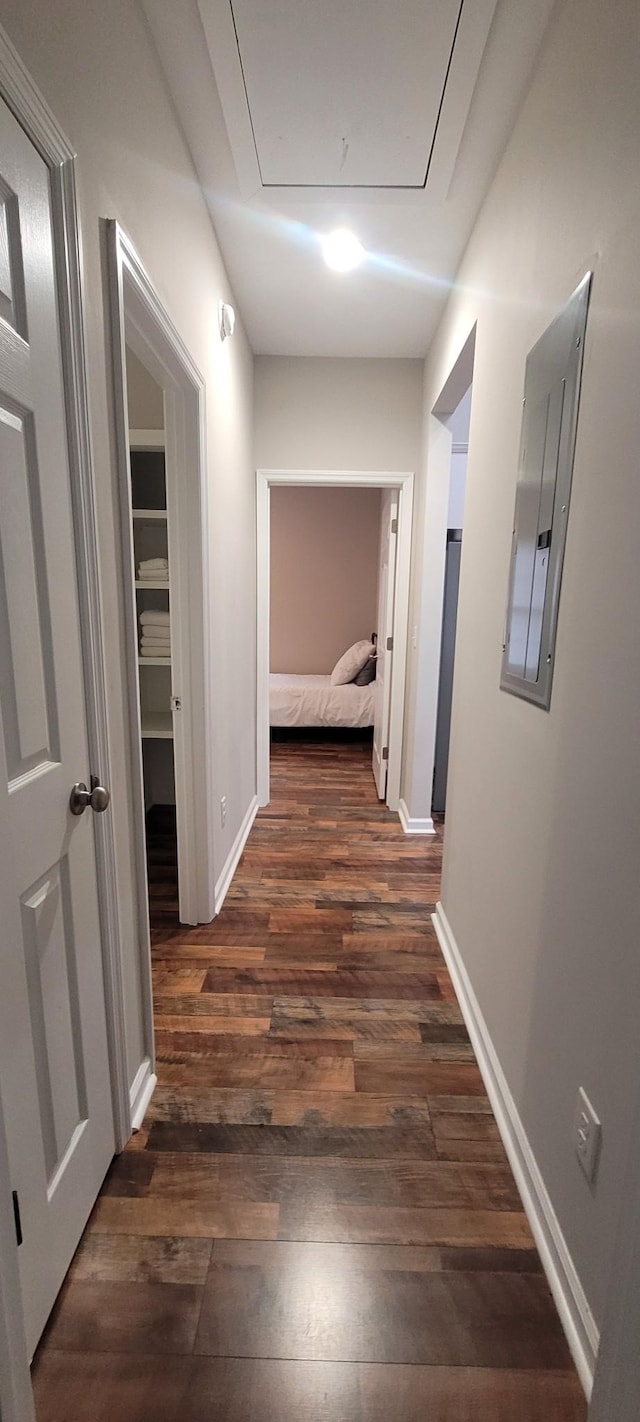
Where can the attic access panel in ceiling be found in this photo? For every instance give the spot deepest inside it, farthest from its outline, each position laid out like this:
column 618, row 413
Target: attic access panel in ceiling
column 345, row 93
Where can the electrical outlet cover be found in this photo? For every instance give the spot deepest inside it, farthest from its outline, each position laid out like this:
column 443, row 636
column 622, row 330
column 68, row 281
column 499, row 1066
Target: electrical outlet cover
column 586, row 1135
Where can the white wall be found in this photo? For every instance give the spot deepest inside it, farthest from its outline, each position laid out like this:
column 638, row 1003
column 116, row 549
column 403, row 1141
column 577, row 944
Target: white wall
column 97, row 68
column 458, row 426
column 543, row 809
column 457, row 489
column 144, row 396
column 324, row 574
column 337, row 414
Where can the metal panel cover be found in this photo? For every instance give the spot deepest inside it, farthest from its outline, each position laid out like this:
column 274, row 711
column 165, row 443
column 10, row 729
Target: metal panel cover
column 549, row 422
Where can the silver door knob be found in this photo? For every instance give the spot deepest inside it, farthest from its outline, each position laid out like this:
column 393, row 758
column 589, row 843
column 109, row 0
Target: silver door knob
column 97, row 797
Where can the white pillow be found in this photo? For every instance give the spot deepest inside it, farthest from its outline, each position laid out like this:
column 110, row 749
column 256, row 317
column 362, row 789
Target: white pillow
column 351, row 663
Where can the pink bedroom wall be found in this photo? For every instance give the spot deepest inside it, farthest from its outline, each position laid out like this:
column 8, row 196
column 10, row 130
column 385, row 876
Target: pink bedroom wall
column 324, row 574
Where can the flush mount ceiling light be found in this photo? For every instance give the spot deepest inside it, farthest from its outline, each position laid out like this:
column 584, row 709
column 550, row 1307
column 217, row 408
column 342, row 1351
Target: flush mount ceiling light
column 227, row 320
column 342, row 251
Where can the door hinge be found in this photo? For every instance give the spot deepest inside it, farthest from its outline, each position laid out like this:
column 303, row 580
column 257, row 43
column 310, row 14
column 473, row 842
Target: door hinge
column 389, row 644
column 385, row 752
column 16, row 1217
column 394, row 525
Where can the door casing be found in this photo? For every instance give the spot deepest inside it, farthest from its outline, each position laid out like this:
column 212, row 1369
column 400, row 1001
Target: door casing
column 430, row 592
column 336, row 478
column 138, row 319
column 385, row 627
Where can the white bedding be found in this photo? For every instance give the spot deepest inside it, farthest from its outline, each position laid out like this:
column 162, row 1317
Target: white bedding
column 313, row 701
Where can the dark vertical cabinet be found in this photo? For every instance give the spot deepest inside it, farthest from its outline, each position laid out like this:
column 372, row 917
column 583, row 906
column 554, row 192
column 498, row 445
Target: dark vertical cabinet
column 447, row 654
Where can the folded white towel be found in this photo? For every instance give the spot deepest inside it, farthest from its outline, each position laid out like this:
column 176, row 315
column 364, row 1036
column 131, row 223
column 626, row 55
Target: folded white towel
column 163, row 653
column 156, row 634
column 156, row 575
column 159, row 647
column 154, row 618
column 153, row 563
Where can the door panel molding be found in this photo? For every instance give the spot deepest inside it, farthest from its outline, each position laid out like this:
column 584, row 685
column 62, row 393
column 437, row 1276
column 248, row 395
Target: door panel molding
column 33, row 113
column 402, row 483
column 22, row 97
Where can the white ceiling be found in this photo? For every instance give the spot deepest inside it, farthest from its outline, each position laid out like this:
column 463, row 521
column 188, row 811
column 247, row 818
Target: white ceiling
column 387, row 116
column 339, row 94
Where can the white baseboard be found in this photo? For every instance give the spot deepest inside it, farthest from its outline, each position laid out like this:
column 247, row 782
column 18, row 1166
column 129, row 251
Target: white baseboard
column 411, row 826
column 140, row 1093
column 575, row 1315
column 233, row 857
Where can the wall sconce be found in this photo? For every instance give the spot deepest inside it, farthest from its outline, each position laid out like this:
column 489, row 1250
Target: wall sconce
column 227, row 320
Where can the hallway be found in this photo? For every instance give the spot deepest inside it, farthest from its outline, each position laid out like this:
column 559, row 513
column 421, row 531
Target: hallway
column 317, row 1219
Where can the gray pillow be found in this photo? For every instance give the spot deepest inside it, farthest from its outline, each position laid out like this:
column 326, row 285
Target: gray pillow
column 351, row 663
column 367, row 675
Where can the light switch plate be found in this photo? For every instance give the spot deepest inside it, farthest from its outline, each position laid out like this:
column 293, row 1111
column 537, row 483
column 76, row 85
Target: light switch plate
column 586, row 1135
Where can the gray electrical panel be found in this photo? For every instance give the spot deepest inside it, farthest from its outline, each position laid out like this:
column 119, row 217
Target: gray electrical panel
column 549, row 421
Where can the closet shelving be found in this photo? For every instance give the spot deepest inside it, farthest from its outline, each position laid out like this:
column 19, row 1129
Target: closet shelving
column 157, row 726
column 150, row 540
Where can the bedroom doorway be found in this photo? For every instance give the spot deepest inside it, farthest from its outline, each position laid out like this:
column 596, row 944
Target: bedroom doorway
column 364, row 628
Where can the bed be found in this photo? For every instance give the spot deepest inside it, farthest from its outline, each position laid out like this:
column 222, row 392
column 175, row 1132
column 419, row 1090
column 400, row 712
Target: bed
column 313, row 701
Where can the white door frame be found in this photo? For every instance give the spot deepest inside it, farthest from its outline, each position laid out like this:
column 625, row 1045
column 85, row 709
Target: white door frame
column 418, row 786
column 385, row 627
column 139, row 319
column 344, row 479
column 20, row 94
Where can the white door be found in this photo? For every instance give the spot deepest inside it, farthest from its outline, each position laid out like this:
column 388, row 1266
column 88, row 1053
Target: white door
column 386, row 602
column 54, row 1068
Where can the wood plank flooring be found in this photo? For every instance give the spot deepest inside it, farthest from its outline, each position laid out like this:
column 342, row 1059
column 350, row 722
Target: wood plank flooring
column 317, row 1218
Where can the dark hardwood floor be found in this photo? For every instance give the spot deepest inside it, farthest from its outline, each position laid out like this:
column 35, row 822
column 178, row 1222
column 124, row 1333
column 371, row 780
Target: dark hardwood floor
column 317, row 1219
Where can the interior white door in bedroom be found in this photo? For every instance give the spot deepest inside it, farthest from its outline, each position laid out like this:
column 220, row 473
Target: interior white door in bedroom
column 54, row 1066
column 386, row 604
